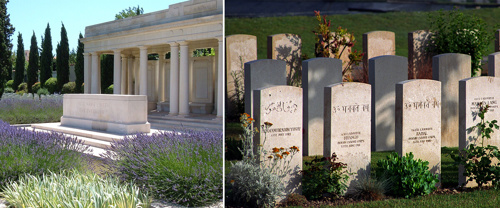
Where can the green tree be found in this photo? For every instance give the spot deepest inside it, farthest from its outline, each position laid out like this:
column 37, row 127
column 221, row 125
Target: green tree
column 46, row 57
column 129, row 12
column 79, row 66
column 6, row 31
column 20, row 60
column 107, row 62
column 33, row 63
column 62, row 60
column 72, row 57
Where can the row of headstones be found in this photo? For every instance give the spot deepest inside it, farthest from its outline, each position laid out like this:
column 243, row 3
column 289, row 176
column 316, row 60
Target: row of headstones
column 348, row 108
column 243, row 48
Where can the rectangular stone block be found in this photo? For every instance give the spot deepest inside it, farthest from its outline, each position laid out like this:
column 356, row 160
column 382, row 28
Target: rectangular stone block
column 418, row 121
column 384, row 73
column 287, row 47
column 239, row 50
column 378, row 43
column 419, row 59
column 317, row 74
column 262, row 73
column 121, row 114
column 281, row 106
column 348, row 127
column 473, row 91
column 449, row 69
column 494, row 64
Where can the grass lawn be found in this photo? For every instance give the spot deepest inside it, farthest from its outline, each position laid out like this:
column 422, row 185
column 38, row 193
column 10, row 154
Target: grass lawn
column 399, row 22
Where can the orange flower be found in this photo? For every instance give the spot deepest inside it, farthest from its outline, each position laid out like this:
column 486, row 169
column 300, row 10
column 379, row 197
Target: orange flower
column 232, row 181
column 270, row 157
column 275, row 150
column 250, row 119
column 268, row 124
column 278, row 155
column 286, row 153
column 282, row 148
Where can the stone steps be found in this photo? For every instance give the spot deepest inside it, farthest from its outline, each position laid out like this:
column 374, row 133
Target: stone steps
column 176, row 123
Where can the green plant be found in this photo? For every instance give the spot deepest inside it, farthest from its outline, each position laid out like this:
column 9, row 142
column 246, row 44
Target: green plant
column 324, row 178
column 334, row 44
column 295, row 200
column 369, row 189
column 36, row 87
column 109, row 90
column 9, row 83
column 8, row 90
column 68, row 88
column 409, row 177
column 455, row 32
column 51, row 84
column 258, row 179
column 232, row 151
column 22, row 87
column 480, row 163
column 74, row 189
column 42, row 91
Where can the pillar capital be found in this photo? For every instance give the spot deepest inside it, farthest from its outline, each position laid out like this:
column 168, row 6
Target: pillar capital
column 117, row 50
column 174, row 44
column 143, row 48
column 183, row 43
column 124, row 56
column 95, row 53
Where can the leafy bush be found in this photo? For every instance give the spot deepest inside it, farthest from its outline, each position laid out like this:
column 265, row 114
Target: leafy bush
column 22, row 87
column 36, row 86
column 8, row 90
column 68, row 88
column 480, row 163
column 109, row 90
column 25, row 110
column 42, row 91
column 369, row 189
column 252, row 186
column 454, row 32
column 324, row 178
column 74, row 189
column 51, row 85
column 409, row 177
column 29, row 152
column 295, row 200
column 184, row 168
column 9, row 83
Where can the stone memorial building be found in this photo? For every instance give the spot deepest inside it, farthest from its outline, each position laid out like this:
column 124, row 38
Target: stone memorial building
column 177, row 82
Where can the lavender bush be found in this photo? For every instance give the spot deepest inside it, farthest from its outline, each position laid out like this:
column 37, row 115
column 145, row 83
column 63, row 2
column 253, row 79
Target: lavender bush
column 184, row 168
column 22, row 109
column 28, row 152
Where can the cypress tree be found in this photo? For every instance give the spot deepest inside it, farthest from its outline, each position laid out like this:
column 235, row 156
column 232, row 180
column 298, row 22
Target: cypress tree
column 6, row 31
column 79, row 66
column 107, row 62
column 20, row 59
column 62, row 60
column 33, row 64
column 46, row 57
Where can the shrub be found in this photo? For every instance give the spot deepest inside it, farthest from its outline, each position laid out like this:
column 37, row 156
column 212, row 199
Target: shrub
column 42, row 91
column 36, row 86
column 454, row 32
column 480, row 163
column 8, row 90
column 68, row 88
column 109, row 90
column 22, row 87
column 408, row 177
column 184, row 168
column 324, row 178
column 51, row 85
column 295, row 200
column 9, row 83
column 369, row 189
column 30, row 152
column 74, row 189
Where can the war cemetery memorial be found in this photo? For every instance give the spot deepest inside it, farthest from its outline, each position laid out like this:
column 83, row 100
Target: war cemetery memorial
column 164, row 116
column 422, row 111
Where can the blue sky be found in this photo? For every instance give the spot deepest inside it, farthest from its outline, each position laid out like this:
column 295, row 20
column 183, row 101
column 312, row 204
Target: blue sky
column 33, row 15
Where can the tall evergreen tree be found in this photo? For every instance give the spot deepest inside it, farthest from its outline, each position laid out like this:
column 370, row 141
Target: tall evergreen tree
column 33, row 64
column 107, row 62
column 19, row 74
column 6, row 31
column 79, row 66
column 46, row 57
column 62, row 60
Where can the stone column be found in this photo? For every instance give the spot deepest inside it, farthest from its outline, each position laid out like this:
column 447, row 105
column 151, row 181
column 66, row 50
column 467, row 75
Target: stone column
column 220, row 79
column 184, row 80
column 130, row 76
column 96, row 72
column 161, row 78
column 174, row 79
column 136, row 76
column 143, row 70
column 86, row 73
column 124, row 75
column 117, row 68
